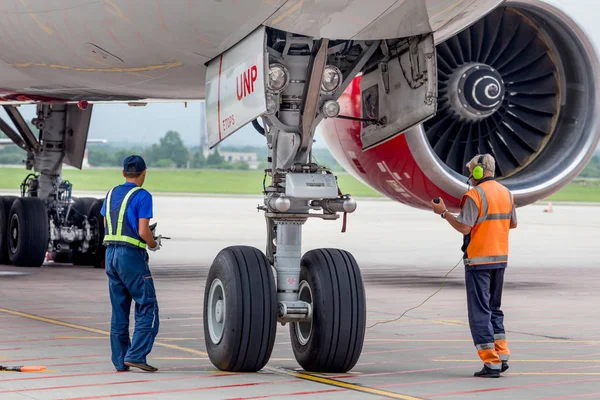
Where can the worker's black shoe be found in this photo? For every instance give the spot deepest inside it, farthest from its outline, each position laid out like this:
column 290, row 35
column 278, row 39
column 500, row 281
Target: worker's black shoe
column 487, row 372
column 504, row 366
column 142, row 366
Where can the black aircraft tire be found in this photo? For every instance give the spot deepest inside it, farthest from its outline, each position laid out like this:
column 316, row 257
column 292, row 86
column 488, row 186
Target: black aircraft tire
column 98, row 252
column 28, row 232
column 95, row 256
column 240, row 337
column 330, row 279
column 6, row 203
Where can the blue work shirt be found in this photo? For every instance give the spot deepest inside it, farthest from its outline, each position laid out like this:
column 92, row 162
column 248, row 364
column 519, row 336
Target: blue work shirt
column 140, row 205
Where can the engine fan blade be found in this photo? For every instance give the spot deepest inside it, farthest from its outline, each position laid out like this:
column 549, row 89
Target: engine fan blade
column 454, row 158
column 505, row 160
column 532, row 53
column 446, row 54
column 522, row 39
column 519, row 149
column 541, row 67
column 536, row 120
column 493, row 24
column 531, row 136
column 466, row 47
column 544, row 103
column 477, row 31
column 544, row 85
column 509, row 28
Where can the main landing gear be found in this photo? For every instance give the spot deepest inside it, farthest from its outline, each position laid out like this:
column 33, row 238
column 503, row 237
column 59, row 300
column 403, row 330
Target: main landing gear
column 46, row 219
column 319, row 294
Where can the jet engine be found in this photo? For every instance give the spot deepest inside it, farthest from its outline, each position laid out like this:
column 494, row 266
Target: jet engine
column 521, row 84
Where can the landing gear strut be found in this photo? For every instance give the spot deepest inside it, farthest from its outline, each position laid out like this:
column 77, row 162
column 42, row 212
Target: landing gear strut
column 321, row 294
column 46, row 218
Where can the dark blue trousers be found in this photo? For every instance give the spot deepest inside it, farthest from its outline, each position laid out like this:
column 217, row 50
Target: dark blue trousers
column 484, row 297
column 129, row 278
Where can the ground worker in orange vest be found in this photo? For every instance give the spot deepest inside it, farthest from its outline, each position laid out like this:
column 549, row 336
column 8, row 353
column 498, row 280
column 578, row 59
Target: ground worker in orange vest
column 487, row 214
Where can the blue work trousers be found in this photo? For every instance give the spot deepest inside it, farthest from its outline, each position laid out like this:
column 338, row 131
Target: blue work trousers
column 484, row 297
column 129, row 278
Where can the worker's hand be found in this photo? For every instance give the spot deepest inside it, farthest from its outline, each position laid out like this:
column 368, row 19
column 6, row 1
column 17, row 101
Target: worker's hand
column 158, row 244
column 438, row 208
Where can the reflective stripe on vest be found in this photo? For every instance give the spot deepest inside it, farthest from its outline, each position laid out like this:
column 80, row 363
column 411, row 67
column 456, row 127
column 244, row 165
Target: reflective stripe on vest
column 488, row 242
column 118, row 235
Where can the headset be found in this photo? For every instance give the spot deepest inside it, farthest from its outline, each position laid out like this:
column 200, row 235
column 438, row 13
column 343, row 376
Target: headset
column 479, row 168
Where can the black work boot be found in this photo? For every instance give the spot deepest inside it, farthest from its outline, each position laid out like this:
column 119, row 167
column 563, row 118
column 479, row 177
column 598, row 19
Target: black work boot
column 487, row 372
column 504, row 366
column 142, row 366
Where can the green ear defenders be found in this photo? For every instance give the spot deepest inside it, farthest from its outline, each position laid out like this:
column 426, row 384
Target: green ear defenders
column 478, row 170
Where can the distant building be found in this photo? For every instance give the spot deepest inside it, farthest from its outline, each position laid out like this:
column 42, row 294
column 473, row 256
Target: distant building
column 233, row 156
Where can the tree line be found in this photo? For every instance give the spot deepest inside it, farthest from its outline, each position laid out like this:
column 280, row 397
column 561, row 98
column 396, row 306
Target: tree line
column 171, row 152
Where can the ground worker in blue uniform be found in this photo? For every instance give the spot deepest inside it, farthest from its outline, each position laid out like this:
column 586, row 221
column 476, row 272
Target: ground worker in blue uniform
column 486, row 217
column 127, row 211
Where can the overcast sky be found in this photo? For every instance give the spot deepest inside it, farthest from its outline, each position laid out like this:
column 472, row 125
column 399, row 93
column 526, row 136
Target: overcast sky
column 147, row 124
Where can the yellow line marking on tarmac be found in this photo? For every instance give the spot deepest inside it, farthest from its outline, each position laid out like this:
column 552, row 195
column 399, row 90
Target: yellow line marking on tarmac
column 94, row 330
column 345, row 385
column 278, row 371
column 531, row 361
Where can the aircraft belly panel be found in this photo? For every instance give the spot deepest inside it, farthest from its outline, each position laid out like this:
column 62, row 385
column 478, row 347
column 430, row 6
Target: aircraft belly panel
column 353, row 19
column 121, row 50
column 448, row 17
column 118, row 49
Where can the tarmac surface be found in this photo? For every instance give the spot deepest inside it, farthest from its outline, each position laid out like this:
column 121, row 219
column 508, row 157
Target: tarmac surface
column 58, row 315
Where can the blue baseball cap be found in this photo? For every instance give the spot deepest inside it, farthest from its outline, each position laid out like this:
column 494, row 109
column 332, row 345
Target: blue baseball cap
column 134, row 161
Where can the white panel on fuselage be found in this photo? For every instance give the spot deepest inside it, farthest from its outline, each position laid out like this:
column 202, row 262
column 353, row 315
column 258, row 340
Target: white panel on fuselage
column 235, row 87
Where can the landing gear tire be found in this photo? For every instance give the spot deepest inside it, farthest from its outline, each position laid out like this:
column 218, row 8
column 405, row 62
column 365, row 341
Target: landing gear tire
column 330, row 280
column 95, row 256
column 28, row 232
column 240, row 310
column 6, row 203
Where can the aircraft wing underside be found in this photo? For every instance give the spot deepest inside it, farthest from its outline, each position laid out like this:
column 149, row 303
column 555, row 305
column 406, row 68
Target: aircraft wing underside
column 117, row 50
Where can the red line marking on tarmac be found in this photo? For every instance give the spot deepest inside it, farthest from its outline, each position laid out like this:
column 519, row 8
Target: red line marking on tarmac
column 404, row 350
column 498, row 389
column 573, row 396
column 196, row 389
column 398, row 372
column 79, row 363
column 40, row 377
column 53, row 358
column 289, row 394
column 30, row 340
column 424, row 382
column 111, row 383
column 14, row 348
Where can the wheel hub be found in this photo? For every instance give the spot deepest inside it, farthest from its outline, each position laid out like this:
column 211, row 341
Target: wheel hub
column 219, row 311
column 14, row 229
column 216, row 311
column 478, row 91
column 304, row 329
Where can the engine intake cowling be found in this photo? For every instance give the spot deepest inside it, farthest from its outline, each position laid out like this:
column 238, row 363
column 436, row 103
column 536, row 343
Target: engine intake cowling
column 522, row 84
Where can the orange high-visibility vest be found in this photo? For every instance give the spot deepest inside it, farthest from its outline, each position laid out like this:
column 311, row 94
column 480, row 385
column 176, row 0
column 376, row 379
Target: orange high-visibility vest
column 488, row 241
